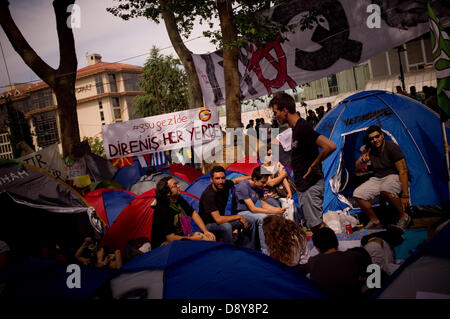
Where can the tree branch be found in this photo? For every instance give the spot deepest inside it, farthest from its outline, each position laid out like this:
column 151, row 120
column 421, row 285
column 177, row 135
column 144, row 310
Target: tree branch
column 21, row 46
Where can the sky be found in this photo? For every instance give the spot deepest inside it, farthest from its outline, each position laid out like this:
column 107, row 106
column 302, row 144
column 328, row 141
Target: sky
column 100, row 32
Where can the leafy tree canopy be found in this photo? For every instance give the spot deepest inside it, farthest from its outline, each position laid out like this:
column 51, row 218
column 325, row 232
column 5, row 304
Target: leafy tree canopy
column 252, row 24
column 165, row 85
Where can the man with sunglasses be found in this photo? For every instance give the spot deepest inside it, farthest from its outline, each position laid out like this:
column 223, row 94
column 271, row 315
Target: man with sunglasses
column 390, row 178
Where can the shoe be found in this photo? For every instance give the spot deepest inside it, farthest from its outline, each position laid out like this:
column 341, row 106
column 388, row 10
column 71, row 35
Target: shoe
column 374, row 225
column 404, row 222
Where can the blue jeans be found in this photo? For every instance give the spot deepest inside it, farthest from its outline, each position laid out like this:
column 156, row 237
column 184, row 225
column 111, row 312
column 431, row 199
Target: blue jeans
column 311, row 203
column 225, row 231
column 255, row 222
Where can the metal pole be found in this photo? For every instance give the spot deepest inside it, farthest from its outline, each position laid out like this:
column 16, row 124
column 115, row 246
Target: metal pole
column 446, row 149
column 402, row 75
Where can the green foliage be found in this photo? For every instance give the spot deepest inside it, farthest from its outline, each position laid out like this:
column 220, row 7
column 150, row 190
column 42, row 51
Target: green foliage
column 165, row 85
column 96, row 145
column 19, row 129
column 249, row 18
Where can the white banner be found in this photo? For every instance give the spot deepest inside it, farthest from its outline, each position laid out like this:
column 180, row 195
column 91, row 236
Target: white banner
column 161, row 132
column 351, row 32
column 48, row 159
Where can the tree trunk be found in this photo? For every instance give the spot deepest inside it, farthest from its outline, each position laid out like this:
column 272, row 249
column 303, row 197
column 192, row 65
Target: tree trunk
column 62, row 80
column 230, row 63
column 195, row 97
column 68, row 120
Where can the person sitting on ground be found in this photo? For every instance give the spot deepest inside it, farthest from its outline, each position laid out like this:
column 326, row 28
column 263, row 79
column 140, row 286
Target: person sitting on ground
column 380, row 247
column 109, row 258
column 390, row 178
column 285, row 240
column 244, row 198
column 171, row 216
column 279, row 183
column 213, row 202
column 87, row 253
column 339, row 272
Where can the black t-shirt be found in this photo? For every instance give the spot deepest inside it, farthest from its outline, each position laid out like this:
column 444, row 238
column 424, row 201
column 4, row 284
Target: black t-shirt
column 304, row 152
column 166, row 220
column 212, row 201
column 383, row 163
column 338, row 272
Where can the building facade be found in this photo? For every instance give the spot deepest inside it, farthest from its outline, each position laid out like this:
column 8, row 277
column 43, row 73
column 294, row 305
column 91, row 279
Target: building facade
column 5, row 146
column 104, row 91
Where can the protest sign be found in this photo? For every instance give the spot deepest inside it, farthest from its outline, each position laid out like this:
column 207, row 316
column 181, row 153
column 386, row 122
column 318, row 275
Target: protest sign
column 162, row 132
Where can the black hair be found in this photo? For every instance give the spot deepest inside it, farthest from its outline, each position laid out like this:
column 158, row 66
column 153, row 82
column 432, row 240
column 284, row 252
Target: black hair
column 283, row 101
column 162, row 190
column 325, row 239
column 371, row 129
column 217, row 169
column 150, row 170
column 257, row 174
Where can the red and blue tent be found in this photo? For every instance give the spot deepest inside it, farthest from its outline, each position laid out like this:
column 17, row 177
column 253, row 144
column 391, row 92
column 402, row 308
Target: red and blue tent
column 109, row 203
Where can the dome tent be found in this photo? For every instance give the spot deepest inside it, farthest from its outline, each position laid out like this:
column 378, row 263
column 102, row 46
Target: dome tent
column 39, row 211
column 411, row 125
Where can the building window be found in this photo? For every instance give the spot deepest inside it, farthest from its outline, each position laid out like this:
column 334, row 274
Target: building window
column 116, row 108
column 100, row 105
column 332, row 84
column 23, row 106
column 102, row 116
column 117, row 114
column 41, row 99
column 99, row 84
column 131, row 80
column 112, row 82
column 46, row 130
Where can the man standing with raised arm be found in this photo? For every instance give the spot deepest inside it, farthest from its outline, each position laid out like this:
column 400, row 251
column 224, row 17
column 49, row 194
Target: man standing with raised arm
column 305, row 158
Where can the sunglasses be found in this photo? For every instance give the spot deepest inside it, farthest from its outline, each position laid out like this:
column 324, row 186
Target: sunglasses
column 175, row 185
column 374, row 137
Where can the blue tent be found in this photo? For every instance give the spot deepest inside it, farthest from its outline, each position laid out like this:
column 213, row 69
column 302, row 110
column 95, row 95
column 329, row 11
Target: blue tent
column 210, row 270
column 197, row 187
column 46, row 279
column 414, row 127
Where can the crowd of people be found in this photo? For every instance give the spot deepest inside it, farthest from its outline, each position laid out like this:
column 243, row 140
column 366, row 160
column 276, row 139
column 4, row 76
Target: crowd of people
column 265, row 226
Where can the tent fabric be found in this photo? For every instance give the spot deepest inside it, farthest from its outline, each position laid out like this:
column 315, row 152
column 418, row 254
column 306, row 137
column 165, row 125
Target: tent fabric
column 109, row 203
column 133, row 168
column 133, row 222
column 414, row 127
column 42, row 279
column 211, row 270
column 185, row 172
column 245, row 165
column 425, row 274
column 146, row 183
column 39, row 210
